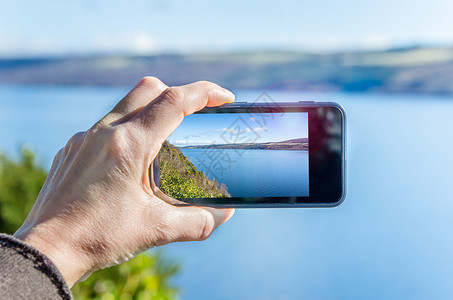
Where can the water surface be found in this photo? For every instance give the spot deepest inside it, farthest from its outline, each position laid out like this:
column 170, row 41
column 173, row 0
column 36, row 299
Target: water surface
column 390, row 239
column 255, row 173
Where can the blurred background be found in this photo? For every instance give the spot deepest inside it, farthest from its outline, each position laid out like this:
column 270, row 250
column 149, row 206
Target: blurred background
column 63, row 65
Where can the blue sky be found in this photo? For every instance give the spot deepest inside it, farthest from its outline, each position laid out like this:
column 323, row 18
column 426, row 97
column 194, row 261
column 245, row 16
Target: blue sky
column 205, row 129
column 52, row 27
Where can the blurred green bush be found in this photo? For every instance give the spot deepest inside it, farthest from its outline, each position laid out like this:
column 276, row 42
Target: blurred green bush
column 145, row 277
column 20, row 183
column 148, row 276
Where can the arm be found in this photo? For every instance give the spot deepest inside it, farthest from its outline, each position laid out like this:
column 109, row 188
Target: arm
column 96, row 208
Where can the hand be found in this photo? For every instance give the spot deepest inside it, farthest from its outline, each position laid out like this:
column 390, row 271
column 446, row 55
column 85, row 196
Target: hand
column 97, row 208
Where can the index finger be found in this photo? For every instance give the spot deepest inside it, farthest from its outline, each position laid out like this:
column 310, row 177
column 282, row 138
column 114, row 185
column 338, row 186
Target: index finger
column 141, row 95
column 162, row 116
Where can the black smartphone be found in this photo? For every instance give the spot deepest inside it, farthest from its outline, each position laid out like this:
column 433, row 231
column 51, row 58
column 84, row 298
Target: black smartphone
column 256, row 155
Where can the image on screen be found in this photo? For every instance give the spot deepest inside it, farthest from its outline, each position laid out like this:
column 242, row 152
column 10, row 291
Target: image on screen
column 237, row 155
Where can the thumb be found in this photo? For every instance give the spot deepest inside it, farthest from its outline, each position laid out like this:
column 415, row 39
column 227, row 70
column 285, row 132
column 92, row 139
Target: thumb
column 190, row 223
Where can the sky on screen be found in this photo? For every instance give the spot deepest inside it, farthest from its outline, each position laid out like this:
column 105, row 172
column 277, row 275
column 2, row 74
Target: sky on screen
column 205, row 129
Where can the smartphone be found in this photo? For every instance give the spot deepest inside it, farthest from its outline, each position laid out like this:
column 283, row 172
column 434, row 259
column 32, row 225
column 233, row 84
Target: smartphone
column 246, row 155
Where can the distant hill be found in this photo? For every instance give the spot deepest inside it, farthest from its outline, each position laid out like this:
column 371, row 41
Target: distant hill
column 409, row 70
column 294, row 144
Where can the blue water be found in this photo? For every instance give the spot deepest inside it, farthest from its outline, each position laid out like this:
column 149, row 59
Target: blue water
column 390, row 239
column 255, row 173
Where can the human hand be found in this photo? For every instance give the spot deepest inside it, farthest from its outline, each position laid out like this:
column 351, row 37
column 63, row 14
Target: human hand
column 96, row 207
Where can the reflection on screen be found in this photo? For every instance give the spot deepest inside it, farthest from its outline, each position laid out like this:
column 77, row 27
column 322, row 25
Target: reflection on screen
column 237, row 155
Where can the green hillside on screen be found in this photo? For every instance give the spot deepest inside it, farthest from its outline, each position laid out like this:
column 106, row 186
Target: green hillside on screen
column 179, row 178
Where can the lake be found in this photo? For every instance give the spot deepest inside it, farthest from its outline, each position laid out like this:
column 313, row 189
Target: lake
column 255, row 173
column 390, row 239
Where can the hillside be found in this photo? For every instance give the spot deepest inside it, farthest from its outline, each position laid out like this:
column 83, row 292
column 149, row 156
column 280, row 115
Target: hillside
column 294, row 144
column 179, row 178
column 409, row 70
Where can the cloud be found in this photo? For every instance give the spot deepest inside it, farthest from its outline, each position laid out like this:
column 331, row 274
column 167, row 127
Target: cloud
column 129, row 42
column 206, row 132
column 140, row 42
column 191, row 136
column 246, row 130
column 256, row 129
column 228, row 130
column 181, row 143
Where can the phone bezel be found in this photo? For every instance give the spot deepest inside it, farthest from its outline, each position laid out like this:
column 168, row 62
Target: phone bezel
column 327, row 156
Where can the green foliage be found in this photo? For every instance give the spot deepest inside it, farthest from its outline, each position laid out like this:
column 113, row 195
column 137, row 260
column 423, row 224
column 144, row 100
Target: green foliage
column 179, row 178
column 145, row 277
column 20, row 183
column 178, row 186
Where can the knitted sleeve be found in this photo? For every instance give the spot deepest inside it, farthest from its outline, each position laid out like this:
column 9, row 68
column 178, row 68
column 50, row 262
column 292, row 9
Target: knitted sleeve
column 25, row 273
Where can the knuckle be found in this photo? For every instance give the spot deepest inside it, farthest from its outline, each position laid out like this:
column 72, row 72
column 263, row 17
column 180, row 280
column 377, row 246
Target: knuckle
column 116, row 139
column 71, row 147
column 118, row 144
column 167, row 230
column 76, row 138
column 174, row 96
column 59, row 156
column 205, row 84
column 206, row 227
column 75, row 141
column 162, row 233
column 114, row 142
column 151, row 82
column 207, row 87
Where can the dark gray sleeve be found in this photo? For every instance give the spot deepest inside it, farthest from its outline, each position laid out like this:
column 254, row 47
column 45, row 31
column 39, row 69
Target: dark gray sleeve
column 25, row 273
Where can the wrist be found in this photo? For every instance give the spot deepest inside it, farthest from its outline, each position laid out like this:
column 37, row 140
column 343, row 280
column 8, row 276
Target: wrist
column 64, row 256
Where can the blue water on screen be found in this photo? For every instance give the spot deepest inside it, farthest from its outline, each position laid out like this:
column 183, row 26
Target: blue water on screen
column 390, row 239
column 255, row 173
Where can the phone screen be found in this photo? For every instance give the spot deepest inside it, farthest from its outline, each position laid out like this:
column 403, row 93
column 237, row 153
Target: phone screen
column 237, row 155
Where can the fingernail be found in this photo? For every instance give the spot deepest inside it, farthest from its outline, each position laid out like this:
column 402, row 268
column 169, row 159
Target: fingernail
column 229, row 95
